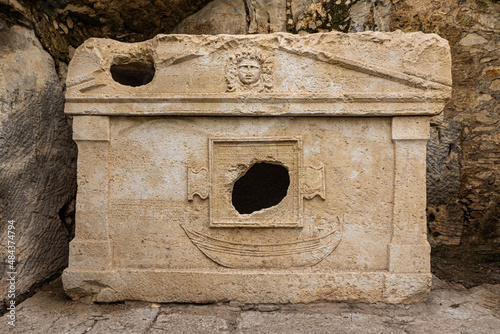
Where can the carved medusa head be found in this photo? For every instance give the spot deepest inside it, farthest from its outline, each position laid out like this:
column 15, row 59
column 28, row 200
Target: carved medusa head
column 249, row 69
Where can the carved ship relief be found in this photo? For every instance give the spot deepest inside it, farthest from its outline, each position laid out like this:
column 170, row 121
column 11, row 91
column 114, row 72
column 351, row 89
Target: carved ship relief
column 301, row 253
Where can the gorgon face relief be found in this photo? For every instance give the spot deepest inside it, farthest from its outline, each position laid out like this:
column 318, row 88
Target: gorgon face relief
column 249, row 71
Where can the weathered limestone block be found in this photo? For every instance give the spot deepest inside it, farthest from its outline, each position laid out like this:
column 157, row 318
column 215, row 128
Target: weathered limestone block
column 262, row 169
column 37, row 162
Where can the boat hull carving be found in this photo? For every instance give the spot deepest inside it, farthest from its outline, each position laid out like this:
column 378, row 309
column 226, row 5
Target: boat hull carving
column 299, row 253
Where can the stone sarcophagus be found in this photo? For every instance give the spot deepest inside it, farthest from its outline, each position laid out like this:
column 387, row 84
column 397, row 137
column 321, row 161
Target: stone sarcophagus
column 263, row 169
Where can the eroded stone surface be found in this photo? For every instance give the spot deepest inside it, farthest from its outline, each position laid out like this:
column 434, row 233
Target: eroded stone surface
column 37, row 164
column 230, row 18
column 155, row 217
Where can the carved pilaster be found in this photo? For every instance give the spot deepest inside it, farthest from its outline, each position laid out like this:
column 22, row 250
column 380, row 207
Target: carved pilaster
column 91, row 244
column 409, row 250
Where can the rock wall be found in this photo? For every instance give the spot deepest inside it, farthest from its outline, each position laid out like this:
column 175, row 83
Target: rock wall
column 37, row 163
column 63, row 25
column 466, row 141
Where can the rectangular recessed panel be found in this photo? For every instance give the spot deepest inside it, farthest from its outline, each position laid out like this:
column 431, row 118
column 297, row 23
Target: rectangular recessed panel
column 231, row 159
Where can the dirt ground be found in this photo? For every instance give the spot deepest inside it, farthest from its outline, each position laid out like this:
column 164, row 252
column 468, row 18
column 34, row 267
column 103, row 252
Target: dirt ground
column 466, row 265
column 450, row 309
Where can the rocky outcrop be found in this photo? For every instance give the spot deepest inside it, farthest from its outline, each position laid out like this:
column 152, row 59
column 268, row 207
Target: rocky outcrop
column 236, row 17
column 37, row 163
column 218, row 17
column 340, row 15
column 444, row 211
column 61, row 26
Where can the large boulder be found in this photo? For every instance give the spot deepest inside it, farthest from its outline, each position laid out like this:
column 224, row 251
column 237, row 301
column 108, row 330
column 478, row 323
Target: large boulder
column 237, row 17
column 218, row 17
column 37, row 163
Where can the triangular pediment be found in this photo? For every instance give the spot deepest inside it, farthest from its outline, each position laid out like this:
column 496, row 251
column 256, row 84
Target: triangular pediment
column 286, row 67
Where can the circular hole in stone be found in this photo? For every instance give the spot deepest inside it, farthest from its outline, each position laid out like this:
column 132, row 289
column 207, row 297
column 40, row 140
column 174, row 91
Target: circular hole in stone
column 132, row 72
column 264, row 185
